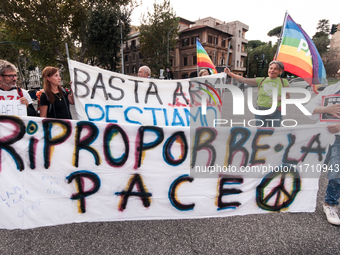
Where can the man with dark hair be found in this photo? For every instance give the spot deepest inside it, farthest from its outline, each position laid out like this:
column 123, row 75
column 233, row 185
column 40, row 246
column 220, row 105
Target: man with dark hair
column 9, row 90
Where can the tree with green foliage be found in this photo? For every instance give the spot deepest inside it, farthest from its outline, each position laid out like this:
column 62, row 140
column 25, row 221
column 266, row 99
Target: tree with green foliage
column 104, row 34
column 156, row 28
column 275, row 32
column 53, row 23
column 321, row 37
column 252, row 44
column 16, row 53
column 8, row 51
column 323, row 26
column 255, row 56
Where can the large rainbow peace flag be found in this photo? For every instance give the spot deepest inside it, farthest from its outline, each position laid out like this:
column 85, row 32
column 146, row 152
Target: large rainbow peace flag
column 203, row 59
column 299, row 54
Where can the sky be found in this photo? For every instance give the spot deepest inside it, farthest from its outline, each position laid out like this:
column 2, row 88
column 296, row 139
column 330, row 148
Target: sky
column 261, row 16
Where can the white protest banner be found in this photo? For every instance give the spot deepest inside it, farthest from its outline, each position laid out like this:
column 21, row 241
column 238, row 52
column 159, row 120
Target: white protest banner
column 12, row 107
column 56, row 171
column 102, row 95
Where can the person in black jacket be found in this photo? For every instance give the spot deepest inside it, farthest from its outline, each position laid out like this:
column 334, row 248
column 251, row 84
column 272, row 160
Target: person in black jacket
column 55, row 101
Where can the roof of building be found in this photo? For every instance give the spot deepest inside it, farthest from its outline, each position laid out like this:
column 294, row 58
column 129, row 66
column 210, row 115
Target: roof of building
column 202, row 27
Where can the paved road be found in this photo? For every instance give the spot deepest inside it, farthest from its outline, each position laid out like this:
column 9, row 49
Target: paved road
column 274, row 233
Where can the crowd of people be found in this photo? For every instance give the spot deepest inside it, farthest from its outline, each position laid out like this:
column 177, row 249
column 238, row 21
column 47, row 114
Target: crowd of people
column 54, row 99
column 55, row 103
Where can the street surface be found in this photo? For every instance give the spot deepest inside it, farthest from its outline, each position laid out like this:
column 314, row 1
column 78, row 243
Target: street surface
column 272, row 233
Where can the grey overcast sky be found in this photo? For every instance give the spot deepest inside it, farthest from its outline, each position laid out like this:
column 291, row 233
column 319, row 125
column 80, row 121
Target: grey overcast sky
column 261, row 16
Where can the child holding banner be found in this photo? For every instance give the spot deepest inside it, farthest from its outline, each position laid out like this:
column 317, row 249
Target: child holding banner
column 321, row 105
column 55, row 101
column 264, row 99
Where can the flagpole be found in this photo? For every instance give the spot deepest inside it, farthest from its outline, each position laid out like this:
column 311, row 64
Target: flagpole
column 196, row 57
column 281, row 33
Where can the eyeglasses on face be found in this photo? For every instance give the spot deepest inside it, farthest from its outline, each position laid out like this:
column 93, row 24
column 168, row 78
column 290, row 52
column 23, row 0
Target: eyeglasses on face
column 11, row 76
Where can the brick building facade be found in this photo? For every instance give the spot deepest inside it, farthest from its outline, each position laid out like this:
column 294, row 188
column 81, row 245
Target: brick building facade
column 217, row 37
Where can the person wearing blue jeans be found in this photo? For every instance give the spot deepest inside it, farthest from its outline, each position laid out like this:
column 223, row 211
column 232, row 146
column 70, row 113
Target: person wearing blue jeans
column 273, row 120
column 318, row 106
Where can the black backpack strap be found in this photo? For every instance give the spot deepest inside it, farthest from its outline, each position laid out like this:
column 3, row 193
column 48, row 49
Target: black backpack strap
column 261, row 83
column 31, row 110
column 283, row 85
column 20, row 92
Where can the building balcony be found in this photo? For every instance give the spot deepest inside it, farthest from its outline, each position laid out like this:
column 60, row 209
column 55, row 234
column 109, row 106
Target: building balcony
column 240, row 69
column 244, row 53
column 131, row 47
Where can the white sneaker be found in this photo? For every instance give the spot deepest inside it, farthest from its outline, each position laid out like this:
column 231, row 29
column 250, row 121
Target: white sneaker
column 331, row 214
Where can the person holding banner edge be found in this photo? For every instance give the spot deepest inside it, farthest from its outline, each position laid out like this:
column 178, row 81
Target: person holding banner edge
column 9, row 89
column 264, row 99
column 55, row 101
column 317, row 107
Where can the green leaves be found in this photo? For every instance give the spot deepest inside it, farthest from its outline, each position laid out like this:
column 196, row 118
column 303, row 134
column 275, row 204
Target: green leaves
column 157, row 31
column 106, row 23
column 53, row 23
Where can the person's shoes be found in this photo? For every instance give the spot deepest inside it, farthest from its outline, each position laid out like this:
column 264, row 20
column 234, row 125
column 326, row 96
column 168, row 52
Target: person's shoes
column 331, row 214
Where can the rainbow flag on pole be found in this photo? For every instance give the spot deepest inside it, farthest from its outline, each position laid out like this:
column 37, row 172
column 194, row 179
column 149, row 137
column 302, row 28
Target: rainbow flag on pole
column 299, row 54
column 203, row 59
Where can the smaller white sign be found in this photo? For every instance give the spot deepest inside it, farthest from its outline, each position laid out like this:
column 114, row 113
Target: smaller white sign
column 12, row 107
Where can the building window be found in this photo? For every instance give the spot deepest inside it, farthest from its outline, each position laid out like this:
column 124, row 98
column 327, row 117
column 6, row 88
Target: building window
column 194, row 60
column 185, row 61
column 215, row 40
column 140, row 56
column 193, row 40
column 171, row 61
column 223, row 42
column 134, row 69
column 238, row 48
column 239, row 33
column 133, row 44
column 126, row 58
column 185, row 42
column 209, row 39
column 127, row 69
column 237, row 63
column 185, row 75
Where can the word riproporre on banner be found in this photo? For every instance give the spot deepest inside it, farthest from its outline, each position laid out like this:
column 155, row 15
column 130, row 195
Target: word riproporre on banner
column 19, row 129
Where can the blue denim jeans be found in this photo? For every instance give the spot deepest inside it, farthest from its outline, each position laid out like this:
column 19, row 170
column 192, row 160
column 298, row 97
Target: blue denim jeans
column 333, row 188
column 274, row 118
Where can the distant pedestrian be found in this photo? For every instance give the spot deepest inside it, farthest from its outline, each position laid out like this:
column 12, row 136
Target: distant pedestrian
column 144, row 72
column 203, row 72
